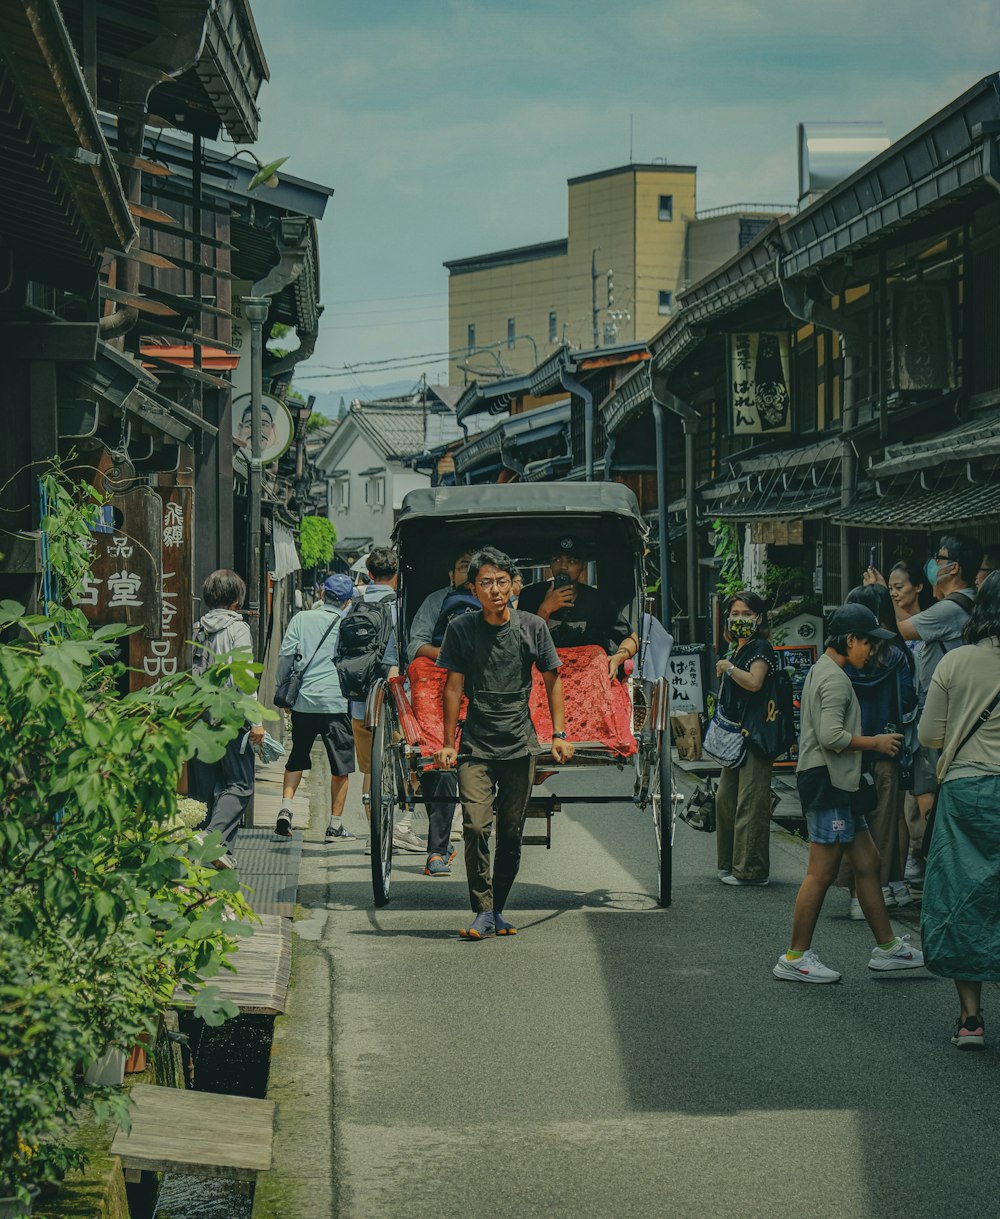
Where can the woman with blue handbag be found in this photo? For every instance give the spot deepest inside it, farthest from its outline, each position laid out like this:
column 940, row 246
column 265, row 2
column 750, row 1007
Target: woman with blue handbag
column 742, row 803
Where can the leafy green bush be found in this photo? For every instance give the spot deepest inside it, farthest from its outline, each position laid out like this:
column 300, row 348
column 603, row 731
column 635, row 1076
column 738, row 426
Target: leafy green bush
column 106, row 904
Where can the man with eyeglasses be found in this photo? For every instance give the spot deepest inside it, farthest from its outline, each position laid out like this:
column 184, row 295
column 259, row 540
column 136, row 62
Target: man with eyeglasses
column 952, row 572
column 489, row 657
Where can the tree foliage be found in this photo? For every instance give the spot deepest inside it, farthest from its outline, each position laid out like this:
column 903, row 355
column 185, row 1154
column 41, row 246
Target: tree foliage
column 107, row 903
column 317, row 538
column 727, row 556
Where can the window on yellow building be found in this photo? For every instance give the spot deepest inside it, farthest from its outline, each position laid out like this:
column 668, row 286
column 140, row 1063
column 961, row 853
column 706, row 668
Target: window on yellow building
column 666, row 208
column 511, row 331
column 470, row 336
column 553, row 328
column 665, row 302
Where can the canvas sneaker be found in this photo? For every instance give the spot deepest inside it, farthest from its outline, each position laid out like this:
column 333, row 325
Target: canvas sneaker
column 970, row 1033
column 724, row 872
column 283, row 826
column 900, row 893
column 901, row 956
column 404, row 839
column 806, row 968
column 888, row 897
column 854, row 910
column 730, row 879
column 338, row 832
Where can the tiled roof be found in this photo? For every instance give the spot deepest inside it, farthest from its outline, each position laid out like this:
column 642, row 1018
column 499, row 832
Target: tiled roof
column 915, row 509
column 395, row 431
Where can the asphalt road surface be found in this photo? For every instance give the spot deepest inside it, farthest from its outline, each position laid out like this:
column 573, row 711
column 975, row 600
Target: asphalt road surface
column 617, row 1059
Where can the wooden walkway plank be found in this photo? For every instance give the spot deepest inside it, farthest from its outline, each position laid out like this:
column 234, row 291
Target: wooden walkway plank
column 202, row 1133
column 263, row 963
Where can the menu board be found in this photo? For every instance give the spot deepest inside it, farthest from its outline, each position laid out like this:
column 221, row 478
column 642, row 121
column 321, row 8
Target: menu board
column 687, row 683
column 796, row 659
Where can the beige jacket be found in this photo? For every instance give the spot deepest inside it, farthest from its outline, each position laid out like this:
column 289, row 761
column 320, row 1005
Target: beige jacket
column 831, row 715
column 964, row 683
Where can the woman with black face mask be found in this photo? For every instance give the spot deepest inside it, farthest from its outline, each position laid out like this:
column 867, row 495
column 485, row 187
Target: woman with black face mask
column 742, row 804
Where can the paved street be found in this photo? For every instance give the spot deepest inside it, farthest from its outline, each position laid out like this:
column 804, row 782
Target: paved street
column 618, row 1059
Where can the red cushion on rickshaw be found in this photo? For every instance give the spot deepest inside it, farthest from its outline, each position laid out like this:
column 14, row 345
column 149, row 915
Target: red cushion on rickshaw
column 597, row 709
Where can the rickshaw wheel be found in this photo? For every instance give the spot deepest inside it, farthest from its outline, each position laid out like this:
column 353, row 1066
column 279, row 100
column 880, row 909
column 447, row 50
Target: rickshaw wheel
column 663, row 819
column 382, row 805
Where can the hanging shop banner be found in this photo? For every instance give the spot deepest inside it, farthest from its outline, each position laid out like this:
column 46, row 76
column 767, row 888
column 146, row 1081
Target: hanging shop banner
column 922, row 346
column 760, row 396
column 687, row 681
column 167, row 653
column 796, row 659
column 123, row 584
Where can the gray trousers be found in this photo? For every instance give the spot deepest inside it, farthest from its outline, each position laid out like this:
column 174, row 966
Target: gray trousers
column 226, row 787
column 476, row 780
column 742, row 818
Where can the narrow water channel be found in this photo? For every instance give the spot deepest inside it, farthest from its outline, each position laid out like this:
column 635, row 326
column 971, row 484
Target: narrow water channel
column 231, row 1059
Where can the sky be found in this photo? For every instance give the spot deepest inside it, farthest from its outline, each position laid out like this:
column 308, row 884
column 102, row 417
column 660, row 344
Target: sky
column 449, row 127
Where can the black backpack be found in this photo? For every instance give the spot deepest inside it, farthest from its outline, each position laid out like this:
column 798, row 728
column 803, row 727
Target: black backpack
column 769, row 719
column 364, row 636
column 455, row 604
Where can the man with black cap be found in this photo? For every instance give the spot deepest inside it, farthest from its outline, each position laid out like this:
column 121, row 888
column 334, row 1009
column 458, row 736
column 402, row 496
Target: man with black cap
column 830, row 783
column 576, row 613
column 320, row 710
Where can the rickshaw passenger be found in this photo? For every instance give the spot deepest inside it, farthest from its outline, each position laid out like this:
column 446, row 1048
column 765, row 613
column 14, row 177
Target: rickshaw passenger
column 578, row 614
column 489, row 656
column 439, row 789
column 421, row 635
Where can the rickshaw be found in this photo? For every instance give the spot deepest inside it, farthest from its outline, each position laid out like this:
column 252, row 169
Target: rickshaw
column 404, row 712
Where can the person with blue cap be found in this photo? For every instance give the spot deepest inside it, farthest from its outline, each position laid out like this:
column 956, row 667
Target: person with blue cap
column 320, row 710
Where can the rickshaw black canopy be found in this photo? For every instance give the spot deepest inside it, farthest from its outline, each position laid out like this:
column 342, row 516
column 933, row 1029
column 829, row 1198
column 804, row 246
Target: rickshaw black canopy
column 527, row 521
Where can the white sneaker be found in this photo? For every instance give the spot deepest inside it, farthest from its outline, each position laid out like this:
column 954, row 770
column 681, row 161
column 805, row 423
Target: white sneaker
column 724, row 872
column 902, row 956
column 854, row 911
column 806, row 968
column 900, row 893
column 730, row 879
column 405, row 840
column 888, row 897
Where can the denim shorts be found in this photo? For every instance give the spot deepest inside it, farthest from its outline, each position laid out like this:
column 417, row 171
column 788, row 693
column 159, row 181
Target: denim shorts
column 829, row 826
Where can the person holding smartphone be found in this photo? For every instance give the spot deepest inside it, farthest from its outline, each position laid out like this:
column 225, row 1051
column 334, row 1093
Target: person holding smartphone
column 577, row 613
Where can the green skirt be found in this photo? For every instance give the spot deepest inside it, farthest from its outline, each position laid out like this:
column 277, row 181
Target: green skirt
column 960, row 915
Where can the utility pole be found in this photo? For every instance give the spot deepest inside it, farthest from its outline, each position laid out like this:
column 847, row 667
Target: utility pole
column 593, row 295
column 255, row 310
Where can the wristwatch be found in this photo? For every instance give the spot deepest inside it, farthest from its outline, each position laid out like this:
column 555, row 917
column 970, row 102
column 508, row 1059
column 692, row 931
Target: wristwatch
column 559, row 736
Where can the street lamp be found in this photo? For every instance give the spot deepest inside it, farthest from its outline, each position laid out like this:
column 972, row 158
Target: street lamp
column 255, row 311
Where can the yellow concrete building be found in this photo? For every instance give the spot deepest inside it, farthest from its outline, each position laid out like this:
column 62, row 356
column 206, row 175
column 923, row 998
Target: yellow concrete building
column 631, row 248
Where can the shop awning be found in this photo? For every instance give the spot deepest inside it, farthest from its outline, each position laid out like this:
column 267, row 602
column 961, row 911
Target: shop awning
column 285, row 557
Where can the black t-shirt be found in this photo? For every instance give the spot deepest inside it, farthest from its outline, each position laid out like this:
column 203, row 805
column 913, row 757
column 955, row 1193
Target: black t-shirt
column 734, row 697
column 591, row 619
column 496, row 662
